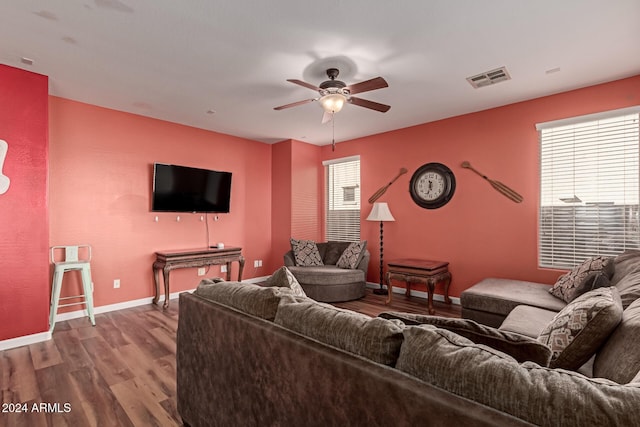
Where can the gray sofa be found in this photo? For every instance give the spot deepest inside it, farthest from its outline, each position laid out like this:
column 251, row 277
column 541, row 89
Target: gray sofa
column 327, row 282
column 491, row 300
column 527, row 308
column 258, row 356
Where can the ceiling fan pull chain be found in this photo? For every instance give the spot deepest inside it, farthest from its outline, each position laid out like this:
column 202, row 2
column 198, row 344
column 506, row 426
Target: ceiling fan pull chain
column 333, row 132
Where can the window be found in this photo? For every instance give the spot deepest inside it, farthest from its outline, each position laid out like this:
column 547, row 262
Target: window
column 349, row 194
column 589, row 187
column 343, row 199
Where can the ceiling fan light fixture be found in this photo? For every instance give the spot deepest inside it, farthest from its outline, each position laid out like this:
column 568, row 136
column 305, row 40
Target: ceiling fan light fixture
column 333, row 102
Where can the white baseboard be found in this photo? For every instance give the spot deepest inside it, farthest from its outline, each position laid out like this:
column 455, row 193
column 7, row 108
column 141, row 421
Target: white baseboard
column 420, row 294
column 45, row 336
column 24, row 340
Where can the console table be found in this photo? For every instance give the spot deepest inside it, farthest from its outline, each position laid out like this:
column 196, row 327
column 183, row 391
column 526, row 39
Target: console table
column 188, row 258
column 419, row 271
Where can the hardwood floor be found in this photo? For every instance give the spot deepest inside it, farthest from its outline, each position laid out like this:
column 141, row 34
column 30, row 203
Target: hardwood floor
column 120, row 372
column 373, row 305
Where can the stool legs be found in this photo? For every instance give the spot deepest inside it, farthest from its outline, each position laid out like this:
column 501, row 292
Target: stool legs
column 88, row 293
column 55, row 297
column 58, row 274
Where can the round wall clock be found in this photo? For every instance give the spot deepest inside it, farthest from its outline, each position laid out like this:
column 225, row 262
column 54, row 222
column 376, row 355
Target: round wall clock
column 432, row 185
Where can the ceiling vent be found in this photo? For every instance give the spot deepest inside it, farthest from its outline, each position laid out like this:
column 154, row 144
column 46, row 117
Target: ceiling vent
column 489, row 78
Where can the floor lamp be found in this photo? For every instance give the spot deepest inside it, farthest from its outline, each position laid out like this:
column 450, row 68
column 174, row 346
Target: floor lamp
column 380, row 212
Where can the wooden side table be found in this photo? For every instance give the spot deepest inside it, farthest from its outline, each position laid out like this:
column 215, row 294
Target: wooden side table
column 423, row 271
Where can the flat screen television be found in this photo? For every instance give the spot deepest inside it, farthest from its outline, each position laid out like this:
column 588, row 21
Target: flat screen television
column 187, row 189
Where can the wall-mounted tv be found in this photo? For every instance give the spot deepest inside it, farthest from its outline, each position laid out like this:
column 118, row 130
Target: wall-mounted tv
column 187, row 189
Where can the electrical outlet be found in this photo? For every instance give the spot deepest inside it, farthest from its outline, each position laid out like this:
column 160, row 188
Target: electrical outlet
column 259, row 263
column 223, row 269
column 201, row 271
column 256, row 264
column 116, row 283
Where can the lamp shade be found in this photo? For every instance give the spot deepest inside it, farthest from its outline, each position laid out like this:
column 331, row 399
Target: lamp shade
column 333, row 102
column 380, row 212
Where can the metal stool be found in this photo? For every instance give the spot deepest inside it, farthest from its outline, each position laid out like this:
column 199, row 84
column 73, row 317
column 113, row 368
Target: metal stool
column 71, row 262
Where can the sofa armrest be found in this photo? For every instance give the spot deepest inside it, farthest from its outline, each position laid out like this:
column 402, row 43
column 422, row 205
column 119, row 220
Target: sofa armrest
column 364, row 263
column 289, row 260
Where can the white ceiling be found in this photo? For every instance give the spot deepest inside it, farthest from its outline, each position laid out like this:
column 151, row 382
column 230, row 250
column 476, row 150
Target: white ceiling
column 176, row 59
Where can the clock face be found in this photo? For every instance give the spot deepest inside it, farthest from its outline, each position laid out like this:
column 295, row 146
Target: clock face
column 432, row 185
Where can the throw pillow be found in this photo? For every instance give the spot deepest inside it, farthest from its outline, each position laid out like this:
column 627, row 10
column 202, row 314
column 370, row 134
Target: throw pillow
column 515, row 345
column 352, row 256
column 306, row 253
column 579, row 329
column 619, row 358
column 375, row 338
column 592, row 273
column 283, row 278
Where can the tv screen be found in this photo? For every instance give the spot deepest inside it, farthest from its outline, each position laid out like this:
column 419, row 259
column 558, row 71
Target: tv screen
column 186, row 189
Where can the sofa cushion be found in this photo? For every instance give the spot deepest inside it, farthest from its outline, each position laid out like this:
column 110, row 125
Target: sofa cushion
column 332, row 251
column 306, row 252
column 579, row 329
column 594, row 272
column 527, row 320
column 500, row 296
column 283, row 278
column 252, row 299
column 517, row 346
column 619, row 357
column 624, row 264
column 629, row 288
column 540, row 395
column 375, row 338
column 352, row 256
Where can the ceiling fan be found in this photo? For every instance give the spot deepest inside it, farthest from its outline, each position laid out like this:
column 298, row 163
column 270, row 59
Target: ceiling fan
column 333, row 94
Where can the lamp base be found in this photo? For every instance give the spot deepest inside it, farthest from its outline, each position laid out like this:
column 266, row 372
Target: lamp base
column 381, row 291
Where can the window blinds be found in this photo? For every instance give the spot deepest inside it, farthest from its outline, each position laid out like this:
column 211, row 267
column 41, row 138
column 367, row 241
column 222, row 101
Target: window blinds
column 343, row 200
column 589, row 187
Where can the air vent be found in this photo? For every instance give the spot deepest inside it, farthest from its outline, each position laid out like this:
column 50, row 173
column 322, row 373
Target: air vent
column 489, row 78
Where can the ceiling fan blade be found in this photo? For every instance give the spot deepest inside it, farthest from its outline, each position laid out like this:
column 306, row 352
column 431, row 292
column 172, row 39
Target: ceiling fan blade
column 304, row 84
column 369, row 104
column 373, row 84
column 295, row 104
column 327, row 117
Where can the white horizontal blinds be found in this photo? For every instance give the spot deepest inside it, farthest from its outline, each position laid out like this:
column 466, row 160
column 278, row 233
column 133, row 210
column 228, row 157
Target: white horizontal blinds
column 343, row 200
column 589, row 189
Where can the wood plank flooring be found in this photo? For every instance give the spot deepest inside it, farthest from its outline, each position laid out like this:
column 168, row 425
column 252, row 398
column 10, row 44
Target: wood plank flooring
column 120, row 372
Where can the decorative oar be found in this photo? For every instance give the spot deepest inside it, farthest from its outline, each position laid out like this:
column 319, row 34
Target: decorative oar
column 508, row 192
column 382, row 190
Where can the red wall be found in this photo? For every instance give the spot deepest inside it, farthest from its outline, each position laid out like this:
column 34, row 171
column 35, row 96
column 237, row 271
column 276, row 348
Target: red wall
column 297, row 195
column 24, row 276
column 281, row 182
column 100, row 171
column 480, row 232
column 306, row 191
column 100, row 187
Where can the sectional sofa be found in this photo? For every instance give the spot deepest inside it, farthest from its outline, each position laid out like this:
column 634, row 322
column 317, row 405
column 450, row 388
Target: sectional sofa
column 264, row 356
column 528, row 308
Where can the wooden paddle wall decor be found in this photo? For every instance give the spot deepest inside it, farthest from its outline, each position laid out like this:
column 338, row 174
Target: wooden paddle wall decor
column 506, row 191
column 383, row 189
